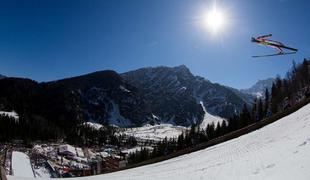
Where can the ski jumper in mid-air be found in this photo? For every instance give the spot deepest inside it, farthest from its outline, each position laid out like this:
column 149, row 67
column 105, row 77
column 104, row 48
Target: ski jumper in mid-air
column 265, row 41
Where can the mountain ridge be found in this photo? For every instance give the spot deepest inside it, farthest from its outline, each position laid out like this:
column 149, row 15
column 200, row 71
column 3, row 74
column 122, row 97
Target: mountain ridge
column 258, row 89
column 171, row 94
column 165, row 82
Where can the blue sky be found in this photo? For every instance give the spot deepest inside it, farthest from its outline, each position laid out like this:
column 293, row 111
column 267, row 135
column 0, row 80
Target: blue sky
column 53, row 39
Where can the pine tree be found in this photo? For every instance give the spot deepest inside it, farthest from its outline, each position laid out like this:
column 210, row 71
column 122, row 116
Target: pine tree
column 274, row 103
column 224, row 128
column 245, row 117
column 266, row 104
column 218, row 129
column 180, row 143
column 260, row 109
column 210, row 131
column 254, row 111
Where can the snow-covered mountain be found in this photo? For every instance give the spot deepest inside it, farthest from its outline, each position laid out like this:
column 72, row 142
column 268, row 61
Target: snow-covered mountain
column 160, row 95
column 174, row 94
column 258, row 89
column 280, row 150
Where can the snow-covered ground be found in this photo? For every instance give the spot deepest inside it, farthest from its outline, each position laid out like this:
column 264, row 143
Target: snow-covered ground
column 94, row 125
column 280, row 150
column 21, row 165
column 159, row 132
column 12, row 114
column 208, row 118
column 116, row 118
column 156, row 132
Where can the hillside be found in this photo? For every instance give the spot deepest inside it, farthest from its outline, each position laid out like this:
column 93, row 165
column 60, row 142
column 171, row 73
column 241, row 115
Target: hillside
column 145, row 96
column 175, row 94
column 277, row 151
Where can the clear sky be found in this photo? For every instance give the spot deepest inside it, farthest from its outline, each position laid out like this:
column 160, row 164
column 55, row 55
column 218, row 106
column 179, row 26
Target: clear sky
column 52, row 39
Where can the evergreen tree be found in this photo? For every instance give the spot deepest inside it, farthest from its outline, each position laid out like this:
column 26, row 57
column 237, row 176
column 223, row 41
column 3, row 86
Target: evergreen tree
column 180, row 142
column 266, row 104
column 210, row 131
column 218, row 130
column 260, row 109
column 274, row 103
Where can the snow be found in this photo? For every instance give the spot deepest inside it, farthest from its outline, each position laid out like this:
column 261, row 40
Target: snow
column 21, row 165
column 12, row 114
column 96, row 126
column 258, row 95
column 124, row 89
column 208, row 118
column 116, row 118
column 280, row 150
column 156, row 132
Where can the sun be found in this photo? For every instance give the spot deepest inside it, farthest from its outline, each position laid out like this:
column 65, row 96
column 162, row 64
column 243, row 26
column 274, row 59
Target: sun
column 215, row 20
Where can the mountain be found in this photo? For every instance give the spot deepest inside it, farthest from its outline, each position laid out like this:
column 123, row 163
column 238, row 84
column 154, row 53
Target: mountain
column 1, row 76
column 175, row 94
column 144, row 96
column 97, row 97
column 258, row 89
column 103, row 97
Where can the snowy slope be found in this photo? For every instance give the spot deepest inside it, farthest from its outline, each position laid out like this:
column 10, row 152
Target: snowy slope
column 21, row 165
column 280, row 150
column 156, row 132
column 209, row 119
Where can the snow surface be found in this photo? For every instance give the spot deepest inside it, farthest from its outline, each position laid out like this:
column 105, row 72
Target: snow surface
column 21, row 165
column 124, row 89
column 209, row 119
column 116, row 118
column 280, row 150
column 94, row 125
column 12, row 114
column 156, row 132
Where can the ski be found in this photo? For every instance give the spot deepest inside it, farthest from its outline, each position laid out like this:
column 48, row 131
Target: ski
column 278, row 54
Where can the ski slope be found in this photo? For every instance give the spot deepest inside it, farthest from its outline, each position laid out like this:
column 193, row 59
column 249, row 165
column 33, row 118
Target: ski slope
column 209, row 119
column 21, row 165
column 280, row 150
